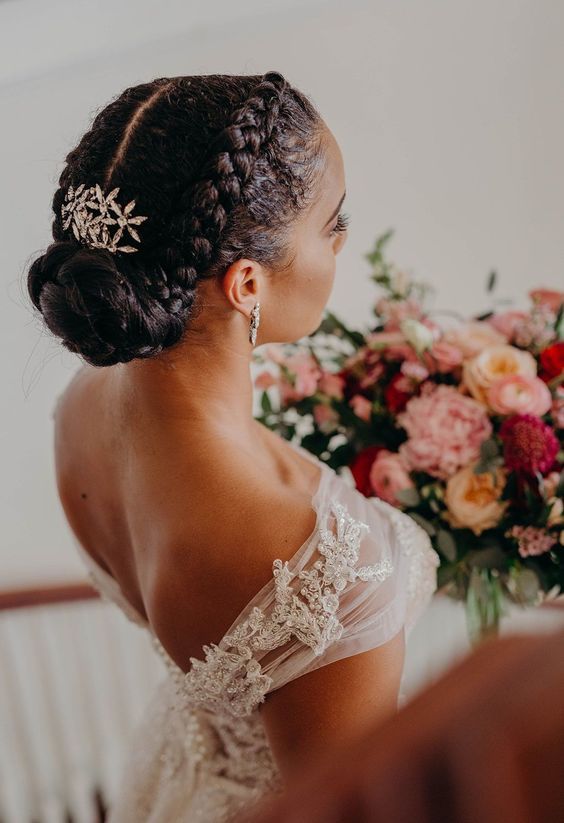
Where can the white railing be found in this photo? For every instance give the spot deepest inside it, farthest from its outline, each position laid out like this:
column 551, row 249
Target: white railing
column 74, row 679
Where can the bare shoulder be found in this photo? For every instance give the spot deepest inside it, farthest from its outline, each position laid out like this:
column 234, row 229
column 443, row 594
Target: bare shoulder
column 245, row 521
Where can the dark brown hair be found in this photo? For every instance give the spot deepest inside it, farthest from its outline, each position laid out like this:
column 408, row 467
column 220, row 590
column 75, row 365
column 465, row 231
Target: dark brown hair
column 220, row 164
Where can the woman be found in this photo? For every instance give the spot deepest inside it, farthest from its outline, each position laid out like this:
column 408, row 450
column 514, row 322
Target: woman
column 197, row 218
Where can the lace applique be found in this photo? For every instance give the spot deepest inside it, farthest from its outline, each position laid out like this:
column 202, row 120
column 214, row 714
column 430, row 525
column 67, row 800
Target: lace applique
column 423, row 562
column 230, row 678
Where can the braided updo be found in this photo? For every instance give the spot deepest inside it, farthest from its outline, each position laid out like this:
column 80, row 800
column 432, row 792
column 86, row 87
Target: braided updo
column 220, row 164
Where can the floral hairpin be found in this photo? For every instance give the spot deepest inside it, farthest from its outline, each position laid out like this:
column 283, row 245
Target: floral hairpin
column 91, row 212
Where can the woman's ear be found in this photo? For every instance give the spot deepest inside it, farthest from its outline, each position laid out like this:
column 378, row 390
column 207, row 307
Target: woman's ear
column 241, row 284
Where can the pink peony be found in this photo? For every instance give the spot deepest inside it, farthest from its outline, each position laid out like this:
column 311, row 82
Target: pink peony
column 519, row 394
column 388, row 476
column 530, row 445
column 361, row 406
column 445, row 429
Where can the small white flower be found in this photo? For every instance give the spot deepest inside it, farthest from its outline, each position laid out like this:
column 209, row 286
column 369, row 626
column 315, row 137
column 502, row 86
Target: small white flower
column 418, row 335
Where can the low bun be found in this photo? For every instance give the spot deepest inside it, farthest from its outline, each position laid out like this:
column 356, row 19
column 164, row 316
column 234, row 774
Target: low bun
column 105, row 309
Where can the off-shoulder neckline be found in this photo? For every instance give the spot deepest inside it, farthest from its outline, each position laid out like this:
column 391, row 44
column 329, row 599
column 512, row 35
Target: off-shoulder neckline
column 134, row 615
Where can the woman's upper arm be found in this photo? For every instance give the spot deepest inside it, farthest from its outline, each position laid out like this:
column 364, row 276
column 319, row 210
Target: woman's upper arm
column 330, row 704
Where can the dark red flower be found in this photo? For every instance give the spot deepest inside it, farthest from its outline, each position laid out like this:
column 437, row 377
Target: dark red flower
column 552, row 361
column 395, row 396
column 530, row 445
column 360, row 468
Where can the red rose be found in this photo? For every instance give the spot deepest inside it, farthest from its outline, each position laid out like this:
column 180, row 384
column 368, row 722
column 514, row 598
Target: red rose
column 360, row 468
column 394, row 395
column 552, row 362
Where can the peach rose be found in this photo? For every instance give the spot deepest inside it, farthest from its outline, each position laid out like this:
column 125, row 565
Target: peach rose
column 495, row 362
column 473, row 500
column 471, row 338
column 388, row 476
column 519, row 394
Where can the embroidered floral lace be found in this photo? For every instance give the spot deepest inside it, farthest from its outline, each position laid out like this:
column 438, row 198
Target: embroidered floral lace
column 201, row 752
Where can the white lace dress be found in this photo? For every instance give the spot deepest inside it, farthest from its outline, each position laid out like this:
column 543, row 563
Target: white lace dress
column 200, row 752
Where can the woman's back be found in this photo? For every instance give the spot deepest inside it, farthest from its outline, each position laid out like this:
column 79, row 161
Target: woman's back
column 143, row 501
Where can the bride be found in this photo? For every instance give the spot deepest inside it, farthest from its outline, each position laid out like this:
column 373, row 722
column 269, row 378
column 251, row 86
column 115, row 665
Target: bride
column 199, row 216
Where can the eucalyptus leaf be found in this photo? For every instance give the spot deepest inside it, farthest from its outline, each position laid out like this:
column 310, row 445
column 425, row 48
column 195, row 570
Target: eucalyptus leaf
column 424, row 523
column 265, row 403
column 446, row 544
column 490, row 557
column 409, row 497
column 526, row 586
column 492, row 279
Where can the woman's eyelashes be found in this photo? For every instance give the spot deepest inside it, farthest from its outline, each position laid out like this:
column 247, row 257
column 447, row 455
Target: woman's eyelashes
column 343, row 220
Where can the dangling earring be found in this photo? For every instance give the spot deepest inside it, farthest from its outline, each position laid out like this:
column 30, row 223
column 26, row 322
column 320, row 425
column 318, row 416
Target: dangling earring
column 255, row 320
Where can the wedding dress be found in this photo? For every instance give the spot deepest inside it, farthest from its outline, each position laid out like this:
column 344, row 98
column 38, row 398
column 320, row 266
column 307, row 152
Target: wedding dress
column 200, row 752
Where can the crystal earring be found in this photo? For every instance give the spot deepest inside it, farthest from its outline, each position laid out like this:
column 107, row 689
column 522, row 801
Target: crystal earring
column 255, row 320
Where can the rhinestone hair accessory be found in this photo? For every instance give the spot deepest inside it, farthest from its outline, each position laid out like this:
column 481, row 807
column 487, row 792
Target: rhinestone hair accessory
column 91, row 213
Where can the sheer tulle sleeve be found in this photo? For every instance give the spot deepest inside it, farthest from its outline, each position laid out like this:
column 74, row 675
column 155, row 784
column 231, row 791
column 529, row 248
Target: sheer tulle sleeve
column 367, row 571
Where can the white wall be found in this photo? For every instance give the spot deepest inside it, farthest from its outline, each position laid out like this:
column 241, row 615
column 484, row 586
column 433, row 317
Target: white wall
column 450, row 119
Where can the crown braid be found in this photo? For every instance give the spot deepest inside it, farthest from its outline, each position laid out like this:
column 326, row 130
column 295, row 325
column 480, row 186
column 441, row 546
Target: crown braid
column 213, row 191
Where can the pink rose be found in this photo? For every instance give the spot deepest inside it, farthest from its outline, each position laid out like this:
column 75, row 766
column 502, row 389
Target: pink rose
column 416, row 371
column 558, row 408
column 519, row 394
column 361, row 406
column 446, row 356
column 471, row 338
column 306, row 373
column 508, row 322
column 548, row 297
column 393, row 312
column 265, row 380
column 325, row 417
column 331, row 384
column 388, row 476
column 445, row 431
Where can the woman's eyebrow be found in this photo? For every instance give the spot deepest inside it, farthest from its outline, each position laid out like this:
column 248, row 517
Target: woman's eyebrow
column 337, row 209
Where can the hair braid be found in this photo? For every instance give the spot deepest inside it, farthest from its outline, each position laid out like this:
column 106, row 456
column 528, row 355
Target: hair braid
column 213, row 190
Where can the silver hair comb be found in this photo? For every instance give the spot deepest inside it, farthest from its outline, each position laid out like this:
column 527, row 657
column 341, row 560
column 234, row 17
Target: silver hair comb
column 90, row 213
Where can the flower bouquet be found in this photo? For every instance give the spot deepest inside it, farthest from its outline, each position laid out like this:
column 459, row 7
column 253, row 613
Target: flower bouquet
column 459, row 423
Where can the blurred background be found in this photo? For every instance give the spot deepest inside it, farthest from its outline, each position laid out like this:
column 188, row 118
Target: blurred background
column 451, row 122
